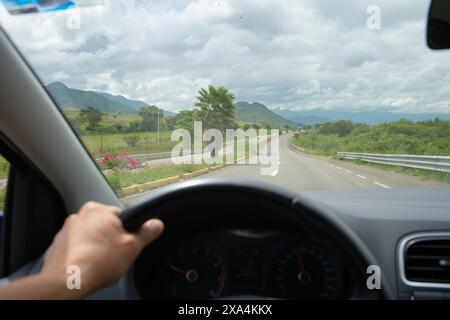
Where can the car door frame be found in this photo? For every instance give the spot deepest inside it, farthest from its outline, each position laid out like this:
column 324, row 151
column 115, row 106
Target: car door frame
column 47, row 152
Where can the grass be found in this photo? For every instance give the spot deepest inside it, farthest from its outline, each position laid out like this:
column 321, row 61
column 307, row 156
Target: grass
column 129, row 178
column 114, row 143
column 124, row 179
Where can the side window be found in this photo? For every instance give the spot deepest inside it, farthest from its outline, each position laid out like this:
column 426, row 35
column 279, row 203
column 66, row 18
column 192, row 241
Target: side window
column 4, row 170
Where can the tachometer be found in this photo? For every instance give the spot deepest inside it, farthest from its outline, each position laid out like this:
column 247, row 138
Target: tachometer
column 193, row 273
column 306, row 272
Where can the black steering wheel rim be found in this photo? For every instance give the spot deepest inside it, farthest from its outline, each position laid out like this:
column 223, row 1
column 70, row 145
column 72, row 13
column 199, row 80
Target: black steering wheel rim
column 133, row 217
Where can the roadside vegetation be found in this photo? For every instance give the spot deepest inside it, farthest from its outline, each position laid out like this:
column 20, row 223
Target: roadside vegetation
column 401, row 137
column 105, row 133
column 113, row 138
column 100, row 145
column 123, row 179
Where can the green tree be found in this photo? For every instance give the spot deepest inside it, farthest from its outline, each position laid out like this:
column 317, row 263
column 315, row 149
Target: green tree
column 267, row 126
column 134, row 126
column 169, row 122
column 92, row 116
column 216, row 108
column 185, row 120
column 341, row 128
column 150, row 118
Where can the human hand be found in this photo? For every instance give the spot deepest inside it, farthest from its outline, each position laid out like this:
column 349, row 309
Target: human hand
column 95, row 241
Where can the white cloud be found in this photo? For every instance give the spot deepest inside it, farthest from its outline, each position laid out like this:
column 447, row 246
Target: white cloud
column 295, row 54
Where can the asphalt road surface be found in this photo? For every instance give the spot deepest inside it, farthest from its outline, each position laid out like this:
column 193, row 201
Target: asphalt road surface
column 303, row 172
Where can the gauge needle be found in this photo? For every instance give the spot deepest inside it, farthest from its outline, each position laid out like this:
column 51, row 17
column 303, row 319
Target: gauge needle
column 177, row 269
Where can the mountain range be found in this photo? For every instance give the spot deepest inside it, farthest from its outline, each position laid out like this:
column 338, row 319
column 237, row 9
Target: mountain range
column 68, row 98
column 317, row 116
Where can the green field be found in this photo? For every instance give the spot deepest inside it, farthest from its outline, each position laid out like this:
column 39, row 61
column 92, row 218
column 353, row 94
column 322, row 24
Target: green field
column 115, row 143
column 108, row 119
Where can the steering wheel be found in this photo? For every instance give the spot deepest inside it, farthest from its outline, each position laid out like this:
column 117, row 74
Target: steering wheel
column 222, row 203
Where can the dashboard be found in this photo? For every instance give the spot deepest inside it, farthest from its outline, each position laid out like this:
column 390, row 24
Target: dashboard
column 198, row 258
column 228, row 263
column 270, row 254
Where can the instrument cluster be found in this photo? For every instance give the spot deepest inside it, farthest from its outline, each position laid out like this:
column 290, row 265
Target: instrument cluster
column 231, row 263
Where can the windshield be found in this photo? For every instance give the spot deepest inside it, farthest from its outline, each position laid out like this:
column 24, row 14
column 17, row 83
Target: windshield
column 309, row 95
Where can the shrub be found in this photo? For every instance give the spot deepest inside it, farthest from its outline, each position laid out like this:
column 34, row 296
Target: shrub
column 119, row 162
column 341, row 128
column 131, row 140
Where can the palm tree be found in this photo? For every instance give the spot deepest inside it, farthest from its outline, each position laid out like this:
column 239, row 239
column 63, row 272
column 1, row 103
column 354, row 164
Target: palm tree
column 216, row 108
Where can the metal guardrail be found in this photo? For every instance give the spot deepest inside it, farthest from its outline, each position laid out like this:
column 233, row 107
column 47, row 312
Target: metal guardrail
column 293, row 146
column 434, row 163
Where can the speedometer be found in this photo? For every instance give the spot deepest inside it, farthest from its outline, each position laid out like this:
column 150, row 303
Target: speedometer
column 193, row 273
column 306, row 271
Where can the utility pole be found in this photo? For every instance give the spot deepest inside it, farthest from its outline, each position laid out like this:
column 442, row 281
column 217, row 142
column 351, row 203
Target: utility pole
column 157, row 117
column 158, row 128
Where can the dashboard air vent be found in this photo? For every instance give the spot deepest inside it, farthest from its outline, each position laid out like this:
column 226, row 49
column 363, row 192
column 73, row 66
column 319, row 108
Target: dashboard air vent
column 428, row 261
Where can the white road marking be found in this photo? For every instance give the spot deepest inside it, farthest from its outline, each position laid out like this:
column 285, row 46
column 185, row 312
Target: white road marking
column 382, row 185
column 332, row 165
column 275, row 173
column 362, row 177
column 339, row 168
column 348, row 171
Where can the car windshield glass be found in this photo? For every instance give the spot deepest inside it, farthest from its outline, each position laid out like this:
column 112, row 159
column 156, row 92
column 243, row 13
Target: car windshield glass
column 308, row 95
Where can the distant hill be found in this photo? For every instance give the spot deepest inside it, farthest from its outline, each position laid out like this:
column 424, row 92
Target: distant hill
column 316, row 116
column 258, row 113
column 68, row 98
column 301, row 117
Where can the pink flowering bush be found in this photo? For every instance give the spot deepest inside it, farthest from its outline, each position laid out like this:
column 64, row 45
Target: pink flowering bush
column 119, row 162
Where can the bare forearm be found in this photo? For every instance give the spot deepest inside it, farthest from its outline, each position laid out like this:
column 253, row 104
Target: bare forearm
column 39, row 287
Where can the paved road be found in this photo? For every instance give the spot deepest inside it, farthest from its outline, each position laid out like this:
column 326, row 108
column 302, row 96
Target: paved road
column 303, row 172
column 300, row 171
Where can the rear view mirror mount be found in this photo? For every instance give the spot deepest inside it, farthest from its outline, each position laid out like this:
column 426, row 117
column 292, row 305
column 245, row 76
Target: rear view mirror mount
column 438, row 28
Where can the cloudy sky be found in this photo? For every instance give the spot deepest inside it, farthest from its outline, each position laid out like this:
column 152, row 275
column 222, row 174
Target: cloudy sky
column 295, row 54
